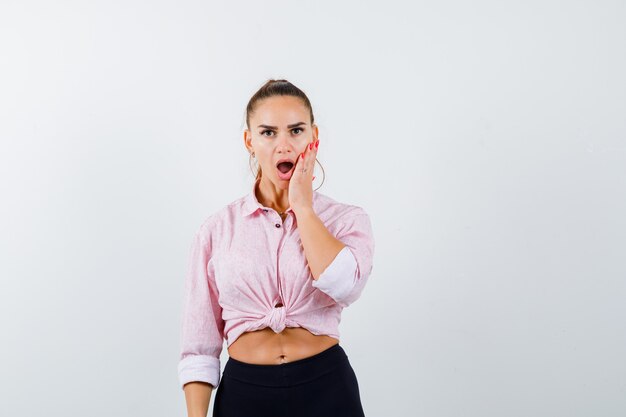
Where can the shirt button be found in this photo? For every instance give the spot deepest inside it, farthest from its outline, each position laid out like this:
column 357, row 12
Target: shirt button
column 277, row 225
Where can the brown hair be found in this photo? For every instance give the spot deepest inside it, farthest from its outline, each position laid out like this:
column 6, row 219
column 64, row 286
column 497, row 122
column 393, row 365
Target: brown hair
column 273, row 88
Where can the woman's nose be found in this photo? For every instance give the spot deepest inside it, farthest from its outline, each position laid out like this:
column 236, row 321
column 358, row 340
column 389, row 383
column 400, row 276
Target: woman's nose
column 285, row 139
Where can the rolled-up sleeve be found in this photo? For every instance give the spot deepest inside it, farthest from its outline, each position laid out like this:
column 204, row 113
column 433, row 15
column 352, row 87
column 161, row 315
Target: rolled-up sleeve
column 202, row 326
column 345, row 277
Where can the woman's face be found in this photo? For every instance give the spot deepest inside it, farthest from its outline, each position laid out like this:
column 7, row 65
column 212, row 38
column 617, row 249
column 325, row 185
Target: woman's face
column 279, row 129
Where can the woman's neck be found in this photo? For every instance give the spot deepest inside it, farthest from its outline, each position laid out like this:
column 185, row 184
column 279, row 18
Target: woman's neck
column 271, row 196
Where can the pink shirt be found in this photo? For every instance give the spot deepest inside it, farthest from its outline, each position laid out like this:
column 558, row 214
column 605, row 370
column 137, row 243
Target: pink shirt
column 245, row 260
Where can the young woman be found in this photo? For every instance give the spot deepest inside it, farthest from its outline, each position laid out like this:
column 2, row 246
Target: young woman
column 270, row 273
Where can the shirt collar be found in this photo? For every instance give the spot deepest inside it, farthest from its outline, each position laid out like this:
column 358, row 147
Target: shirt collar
column 251, row 203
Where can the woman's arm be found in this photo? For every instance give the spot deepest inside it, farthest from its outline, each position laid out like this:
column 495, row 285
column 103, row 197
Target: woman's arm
column 320, row 246
column 198, row 396
column 340, row 265
column 202, row 330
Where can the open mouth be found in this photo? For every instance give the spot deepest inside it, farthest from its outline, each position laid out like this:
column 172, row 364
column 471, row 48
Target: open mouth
column 285, row 168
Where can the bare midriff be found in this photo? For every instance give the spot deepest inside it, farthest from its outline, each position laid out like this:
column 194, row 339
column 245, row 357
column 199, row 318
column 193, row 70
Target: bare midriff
column 266, row 347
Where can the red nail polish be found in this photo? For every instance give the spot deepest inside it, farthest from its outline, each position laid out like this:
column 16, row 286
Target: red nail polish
column 310, row 145
column 317, row 144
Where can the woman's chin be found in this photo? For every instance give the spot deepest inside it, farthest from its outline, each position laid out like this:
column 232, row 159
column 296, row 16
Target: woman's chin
column 280, row 183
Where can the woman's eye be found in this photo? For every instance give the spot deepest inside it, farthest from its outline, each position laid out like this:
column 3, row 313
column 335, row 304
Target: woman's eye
column 299, row 129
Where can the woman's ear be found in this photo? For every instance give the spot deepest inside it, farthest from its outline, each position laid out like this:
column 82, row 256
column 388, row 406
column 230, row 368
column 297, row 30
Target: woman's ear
column 315, row 131
column 247, row 140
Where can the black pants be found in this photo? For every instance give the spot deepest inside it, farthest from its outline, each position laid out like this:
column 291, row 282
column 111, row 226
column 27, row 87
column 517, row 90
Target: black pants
column 322, row 385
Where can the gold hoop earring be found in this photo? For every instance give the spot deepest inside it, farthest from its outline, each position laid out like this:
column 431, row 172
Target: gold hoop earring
column 323, row 173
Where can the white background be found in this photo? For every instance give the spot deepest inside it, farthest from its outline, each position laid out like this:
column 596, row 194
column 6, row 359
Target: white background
column 486, row 140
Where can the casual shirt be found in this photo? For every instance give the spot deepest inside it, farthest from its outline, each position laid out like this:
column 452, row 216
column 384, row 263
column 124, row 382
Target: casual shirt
column 247, row 271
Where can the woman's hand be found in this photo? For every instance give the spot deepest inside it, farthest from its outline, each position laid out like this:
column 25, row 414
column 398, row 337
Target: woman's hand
column 301, row 183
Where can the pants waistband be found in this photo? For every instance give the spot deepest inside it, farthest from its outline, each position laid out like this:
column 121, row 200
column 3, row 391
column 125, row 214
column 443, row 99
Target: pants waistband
column 287, row 374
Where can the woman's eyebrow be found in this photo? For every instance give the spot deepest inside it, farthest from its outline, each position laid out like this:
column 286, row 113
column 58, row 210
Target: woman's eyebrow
column 288, row 126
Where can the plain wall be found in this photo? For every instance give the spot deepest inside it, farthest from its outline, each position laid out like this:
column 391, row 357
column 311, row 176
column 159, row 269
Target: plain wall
column 486, row 139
